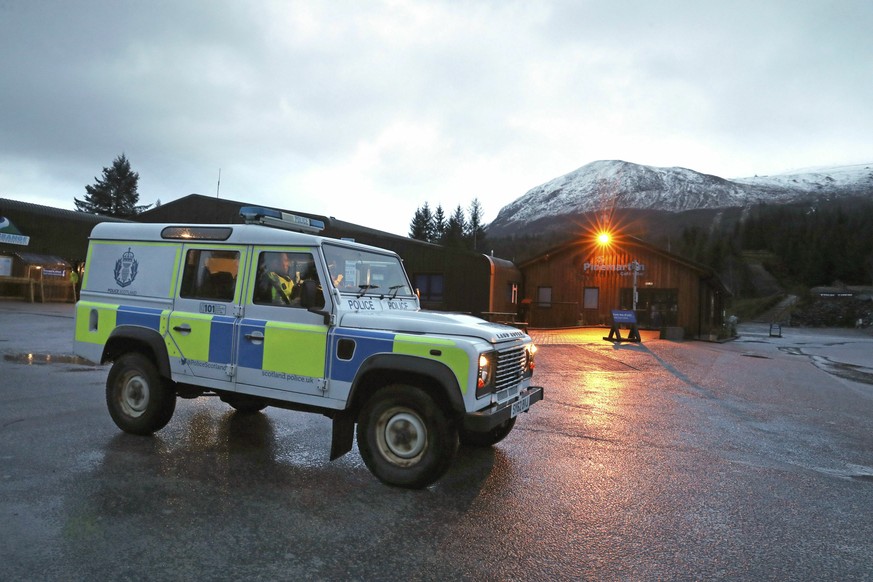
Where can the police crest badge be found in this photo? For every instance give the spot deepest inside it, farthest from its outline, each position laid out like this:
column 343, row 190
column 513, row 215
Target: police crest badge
column 125, row 269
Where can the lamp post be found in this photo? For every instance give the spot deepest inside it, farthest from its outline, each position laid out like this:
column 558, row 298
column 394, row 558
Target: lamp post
column 635, row 268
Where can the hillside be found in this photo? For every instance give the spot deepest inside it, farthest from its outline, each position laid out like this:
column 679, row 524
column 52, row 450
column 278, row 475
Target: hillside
column 658, row 202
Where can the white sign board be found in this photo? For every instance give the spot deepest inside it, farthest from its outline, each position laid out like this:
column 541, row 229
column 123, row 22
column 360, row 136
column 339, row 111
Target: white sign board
column 5, row 266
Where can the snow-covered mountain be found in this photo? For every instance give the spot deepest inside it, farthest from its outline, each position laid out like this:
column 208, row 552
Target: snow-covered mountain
column 614, row 184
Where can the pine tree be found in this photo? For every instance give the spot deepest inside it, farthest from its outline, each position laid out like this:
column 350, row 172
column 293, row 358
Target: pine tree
column 475, row 228
column 421, row 227
column 456, row 228
column 115, row 194
column 439, row 225
column 427, row 216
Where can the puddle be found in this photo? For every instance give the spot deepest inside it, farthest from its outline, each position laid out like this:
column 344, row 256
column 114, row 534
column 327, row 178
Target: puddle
column 792, row 351
column 852, row 372
column 859, row 374
column 851, row 472
column 40, row 359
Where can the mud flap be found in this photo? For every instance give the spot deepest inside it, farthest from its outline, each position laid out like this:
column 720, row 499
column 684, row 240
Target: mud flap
column 343, row 434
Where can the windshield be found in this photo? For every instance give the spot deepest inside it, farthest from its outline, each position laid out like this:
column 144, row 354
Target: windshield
column 366, row 273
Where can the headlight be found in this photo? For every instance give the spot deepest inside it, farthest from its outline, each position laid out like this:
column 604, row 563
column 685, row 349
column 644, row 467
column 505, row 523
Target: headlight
column 485, row 378
column 530, row 358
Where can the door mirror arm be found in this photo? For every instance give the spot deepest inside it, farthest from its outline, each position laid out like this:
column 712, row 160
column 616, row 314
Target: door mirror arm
column 325, row 314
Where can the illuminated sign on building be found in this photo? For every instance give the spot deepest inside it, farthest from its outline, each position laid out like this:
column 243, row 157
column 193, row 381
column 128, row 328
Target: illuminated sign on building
column 601, row 266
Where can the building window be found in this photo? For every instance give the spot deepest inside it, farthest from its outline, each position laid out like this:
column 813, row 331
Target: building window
column 430, row 286
column 591, row 298
column 655, row 307
column 209, row 274
column 512, row 293
column 544, row 296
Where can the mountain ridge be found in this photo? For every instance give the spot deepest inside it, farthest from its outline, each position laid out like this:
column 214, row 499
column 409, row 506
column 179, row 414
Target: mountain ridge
column 604, row 186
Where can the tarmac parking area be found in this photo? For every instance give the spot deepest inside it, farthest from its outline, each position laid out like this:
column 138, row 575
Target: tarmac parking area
column 751, row 459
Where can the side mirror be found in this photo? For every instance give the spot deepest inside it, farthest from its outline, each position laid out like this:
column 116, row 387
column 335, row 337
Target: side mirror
column 312, row 299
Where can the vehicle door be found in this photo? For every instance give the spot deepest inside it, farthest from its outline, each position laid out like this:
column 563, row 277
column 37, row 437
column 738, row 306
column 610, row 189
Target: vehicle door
column 282, row 344
column 201, row 326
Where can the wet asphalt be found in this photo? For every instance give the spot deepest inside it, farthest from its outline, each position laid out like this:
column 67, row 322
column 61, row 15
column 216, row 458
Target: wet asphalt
column 678, row 460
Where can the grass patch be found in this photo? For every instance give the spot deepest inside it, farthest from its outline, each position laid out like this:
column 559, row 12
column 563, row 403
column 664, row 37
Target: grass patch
column 748, row 308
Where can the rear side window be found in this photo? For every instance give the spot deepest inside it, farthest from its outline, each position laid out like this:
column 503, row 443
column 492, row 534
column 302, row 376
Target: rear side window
column 210, row 274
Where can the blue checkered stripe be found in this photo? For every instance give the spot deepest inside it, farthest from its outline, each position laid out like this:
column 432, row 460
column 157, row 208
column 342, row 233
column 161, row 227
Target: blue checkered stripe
column 367, row 343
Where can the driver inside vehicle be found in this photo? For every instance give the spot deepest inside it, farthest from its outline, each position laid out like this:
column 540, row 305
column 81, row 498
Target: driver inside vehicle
column 276, row 282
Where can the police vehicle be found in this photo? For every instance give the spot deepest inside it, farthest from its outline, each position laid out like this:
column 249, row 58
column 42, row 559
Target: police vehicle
column 268, row 313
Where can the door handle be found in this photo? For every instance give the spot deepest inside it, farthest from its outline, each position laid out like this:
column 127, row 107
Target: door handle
column 255, row 336
column 183, row 329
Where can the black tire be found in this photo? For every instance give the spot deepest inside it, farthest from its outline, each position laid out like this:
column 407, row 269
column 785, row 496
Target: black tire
column 405, row 439
column 245, row 404
column 140, row 401
column 487, row 438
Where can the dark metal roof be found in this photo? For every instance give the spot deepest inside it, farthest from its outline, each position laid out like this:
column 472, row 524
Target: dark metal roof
column 9, row 204
column 38, row 259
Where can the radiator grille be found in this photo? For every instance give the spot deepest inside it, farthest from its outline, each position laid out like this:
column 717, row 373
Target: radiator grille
column 510, row 368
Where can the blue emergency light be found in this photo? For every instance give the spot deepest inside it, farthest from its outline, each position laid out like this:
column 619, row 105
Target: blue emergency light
column 279, row 219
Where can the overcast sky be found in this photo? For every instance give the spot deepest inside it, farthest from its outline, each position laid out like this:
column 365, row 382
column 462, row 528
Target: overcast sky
column 365, row 110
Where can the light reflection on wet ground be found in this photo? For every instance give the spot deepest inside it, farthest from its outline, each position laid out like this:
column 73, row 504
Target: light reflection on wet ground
column 660, row 460
column 38, row 359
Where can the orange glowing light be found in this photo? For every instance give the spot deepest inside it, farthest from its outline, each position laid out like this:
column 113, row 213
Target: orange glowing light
column 603, row 238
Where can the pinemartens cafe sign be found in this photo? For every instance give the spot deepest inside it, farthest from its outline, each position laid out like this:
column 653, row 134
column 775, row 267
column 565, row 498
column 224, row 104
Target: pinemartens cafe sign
column 602, row 265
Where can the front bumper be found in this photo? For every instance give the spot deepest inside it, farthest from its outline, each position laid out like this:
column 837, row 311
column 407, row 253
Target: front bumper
column 488, row 418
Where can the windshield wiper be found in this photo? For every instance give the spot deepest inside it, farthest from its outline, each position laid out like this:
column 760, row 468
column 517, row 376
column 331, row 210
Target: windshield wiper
column 395, row 288
column 365, row 288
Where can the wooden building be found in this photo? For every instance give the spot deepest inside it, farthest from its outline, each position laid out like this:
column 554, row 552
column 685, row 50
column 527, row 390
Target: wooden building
column 38, row 265
column 580, row 283
column 36, row 277
column 52, row 231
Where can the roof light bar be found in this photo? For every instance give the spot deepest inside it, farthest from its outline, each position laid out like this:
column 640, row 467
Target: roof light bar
column 279, row 219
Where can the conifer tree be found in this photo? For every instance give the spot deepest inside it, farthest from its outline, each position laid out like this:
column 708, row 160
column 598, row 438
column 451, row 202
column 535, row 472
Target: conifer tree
column 456, row 228
column 115, row 194
column 439, row 224
column 421, row 227
column 475, row 228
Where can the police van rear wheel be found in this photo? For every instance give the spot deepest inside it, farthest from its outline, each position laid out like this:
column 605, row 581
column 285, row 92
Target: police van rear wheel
column 404, row 437
column 140, row 401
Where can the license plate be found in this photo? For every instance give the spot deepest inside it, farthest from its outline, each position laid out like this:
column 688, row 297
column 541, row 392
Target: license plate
column 521, row 406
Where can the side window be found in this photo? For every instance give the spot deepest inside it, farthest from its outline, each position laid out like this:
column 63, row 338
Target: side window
column 280, row 278
column 591, row 298
column 210, row 274
column 430, row 285
column 544, row 296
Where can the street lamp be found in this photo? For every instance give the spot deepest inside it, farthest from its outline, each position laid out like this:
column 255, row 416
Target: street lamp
column 635, row 269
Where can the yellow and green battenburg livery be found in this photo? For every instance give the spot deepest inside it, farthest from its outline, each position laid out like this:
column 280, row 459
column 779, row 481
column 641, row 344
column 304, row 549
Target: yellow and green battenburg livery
column 214, row 342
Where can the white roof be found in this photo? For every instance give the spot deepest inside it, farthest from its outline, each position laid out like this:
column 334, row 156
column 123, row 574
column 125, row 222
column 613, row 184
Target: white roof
column 241, row 234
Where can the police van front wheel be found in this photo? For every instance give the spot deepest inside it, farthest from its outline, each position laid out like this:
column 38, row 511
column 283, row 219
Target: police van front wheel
column 140, row 401
column 404, row 438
